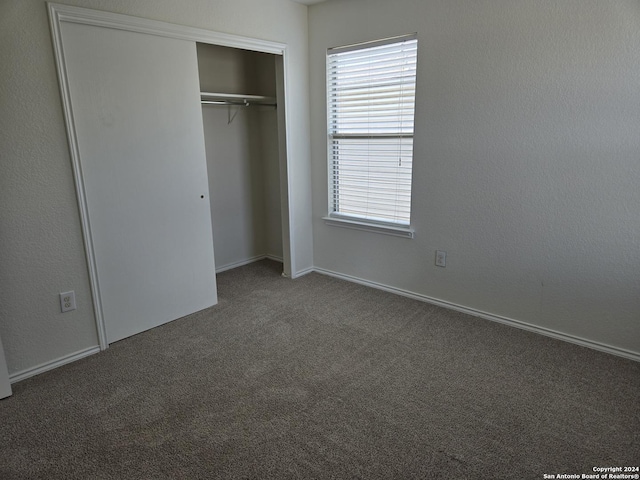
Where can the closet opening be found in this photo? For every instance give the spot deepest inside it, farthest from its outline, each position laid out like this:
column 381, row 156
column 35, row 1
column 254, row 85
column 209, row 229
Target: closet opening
column 243, row 122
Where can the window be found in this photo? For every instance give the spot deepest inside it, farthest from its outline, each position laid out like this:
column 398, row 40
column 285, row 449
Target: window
column 370, row 109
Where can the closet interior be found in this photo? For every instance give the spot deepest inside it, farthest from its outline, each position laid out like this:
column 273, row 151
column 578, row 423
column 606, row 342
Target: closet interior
column 239, row 110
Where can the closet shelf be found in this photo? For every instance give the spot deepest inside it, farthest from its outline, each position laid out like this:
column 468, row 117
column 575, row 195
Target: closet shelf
column 207, row 98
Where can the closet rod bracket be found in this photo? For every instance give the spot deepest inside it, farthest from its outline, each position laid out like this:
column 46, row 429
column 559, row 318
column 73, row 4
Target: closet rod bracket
column 239, row 107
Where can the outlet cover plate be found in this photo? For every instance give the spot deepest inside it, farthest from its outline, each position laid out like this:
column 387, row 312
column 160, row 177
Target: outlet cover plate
column 67, row 301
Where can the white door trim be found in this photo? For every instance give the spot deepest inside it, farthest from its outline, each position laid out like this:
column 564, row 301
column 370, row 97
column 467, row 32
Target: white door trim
column 5, row 383
column 65, row 13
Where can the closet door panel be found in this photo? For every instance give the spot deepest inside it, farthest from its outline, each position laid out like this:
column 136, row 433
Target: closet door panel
column 136, row 108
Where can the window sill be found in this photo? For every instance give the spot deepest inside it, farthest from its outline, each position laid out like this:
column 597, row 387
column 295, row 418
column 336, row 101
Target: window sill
column 405, row 232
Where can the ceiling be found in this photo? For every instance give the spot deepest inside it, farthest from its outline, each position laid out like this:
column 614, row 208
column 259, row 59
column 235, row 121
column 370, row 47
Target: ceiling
column 308, row 2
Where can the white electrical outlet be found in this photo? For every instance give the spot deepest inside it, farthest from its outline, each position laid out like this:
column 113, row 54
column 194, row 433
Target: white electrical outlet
column 441, row 258
column 68, row 301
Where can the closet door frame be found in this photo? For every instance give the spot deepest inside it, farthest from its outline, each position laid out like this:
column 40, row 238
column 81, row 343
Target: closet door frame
column 65, row 13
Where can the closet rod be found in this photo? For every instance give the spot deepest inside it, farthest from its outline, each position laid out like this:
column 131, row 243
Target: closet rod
column 239, row 104
column 236, row 99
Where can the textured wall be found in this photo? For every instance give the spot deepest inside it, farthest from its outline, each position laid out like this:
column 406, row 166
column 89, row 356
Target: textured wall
column 41, row 249
column 527, row 159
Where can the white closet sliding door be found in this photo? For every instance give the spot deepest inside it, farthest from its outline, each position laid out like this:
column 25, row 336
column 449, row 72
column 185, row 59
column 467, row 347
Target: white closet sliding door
column 138, row 122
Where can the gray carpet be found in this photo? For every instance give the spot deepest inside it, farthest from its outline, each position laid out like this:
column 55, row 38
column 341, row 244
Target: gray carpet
column 320, row 378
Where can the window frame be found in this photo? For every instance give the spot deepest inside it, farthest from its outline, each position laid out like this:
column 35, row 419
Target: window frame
column 359, row 220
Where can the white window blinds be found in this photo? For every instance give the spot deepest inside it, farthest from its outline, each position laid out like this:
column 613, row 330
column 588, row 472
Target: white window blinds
column 371, row 98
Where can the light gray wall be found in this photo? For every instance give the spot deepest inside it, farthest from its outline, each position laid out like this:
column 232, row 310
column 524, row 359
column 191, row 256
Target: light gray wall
column 242, row 156
column 270, row 168
column 527, row 159
column 233, row 70
column 41, row 248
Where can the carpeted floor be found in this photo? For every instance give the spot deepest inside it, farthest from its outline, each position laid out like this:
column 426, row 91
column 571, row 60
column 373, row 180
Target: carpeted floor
column 320, row 378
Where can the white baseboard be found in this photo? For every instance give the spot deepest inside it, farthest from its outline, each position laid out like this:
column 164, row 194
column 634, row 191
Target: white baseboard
column 301, row 273
column 247, row 261
column 44, row 367
column 488, row 316
column 240, row 263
